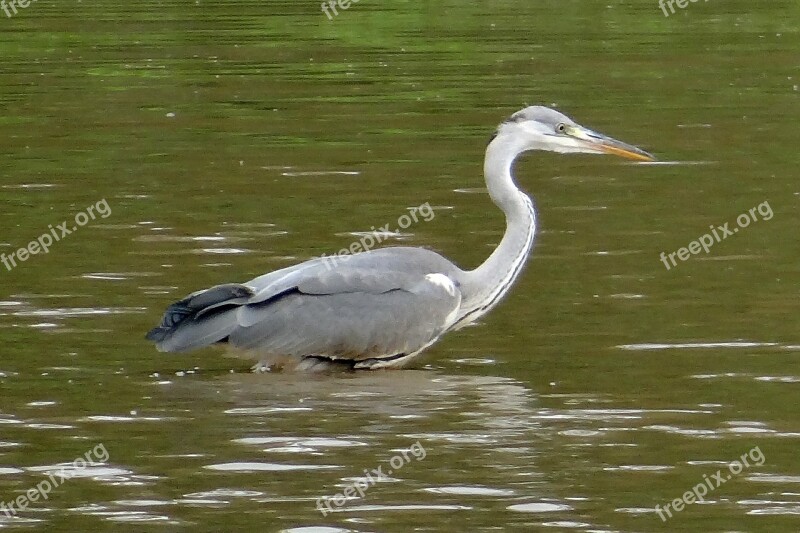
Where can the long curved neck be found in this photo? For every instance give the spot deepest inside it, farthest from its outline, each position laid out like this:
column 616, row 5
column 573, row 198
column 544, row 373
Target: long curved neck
column 483, row 287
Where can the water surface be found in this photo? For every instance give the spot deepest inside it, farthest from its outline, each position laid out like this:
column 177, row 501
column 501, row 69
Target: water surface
column 230, row 139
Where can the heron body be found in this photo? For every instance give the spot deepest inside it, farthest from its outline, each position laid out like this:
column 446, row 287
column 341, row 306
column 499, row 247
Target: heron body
column 381, row 308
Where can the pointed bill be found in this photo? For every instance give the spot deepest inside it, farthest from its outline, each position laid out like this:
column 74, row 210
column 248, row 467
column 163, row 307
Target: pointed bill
column 608, row 145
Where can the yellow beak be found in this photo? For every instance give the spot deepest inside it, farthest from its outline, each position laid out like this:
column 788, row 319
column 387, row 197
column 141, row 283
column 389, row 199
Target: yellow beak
column 605, row 144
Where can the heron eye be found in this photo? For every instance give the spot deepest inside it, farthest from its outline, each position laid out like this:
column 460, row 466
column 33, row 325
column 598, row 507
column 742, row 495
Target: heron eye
column 561, row 128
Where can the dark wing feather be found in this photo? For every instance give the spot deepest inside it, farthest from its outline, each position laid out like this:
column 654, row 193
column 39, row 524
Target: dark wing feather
column 197, row 304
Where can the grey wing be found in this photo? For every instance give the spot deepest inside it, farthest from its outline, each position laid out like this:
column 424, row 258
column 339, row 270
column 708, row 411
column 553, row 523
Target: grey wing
column 351, row 314
column 377, row 304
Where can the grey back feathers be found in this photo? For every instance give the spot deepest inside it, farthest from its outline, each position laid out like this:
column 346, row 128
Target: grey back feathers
column 370, row 309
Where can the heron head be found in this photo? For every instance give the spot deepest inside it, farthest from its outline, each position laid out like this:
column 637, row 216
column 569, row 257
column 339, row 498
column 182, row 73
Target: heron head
column 542, row 128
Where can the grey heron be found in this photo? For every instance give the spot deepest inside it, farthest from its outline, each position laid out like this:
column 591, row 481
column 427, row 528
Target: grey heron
column 381, row 308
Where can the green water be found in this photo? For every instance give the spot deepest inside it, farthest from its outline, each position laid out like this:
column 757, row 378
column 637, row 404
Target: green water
column 233, row 138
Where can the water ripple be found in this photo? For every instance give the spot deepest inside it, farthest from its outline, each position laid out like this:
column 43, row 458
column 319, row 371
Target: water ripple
column 539, row 507
column 245, row 467
column 691, row 345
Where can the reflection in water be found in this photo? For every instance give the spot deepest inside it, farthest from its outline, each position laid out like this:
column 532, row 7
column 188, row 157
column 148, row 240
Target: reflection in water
column 493, row 449
column 355, row 423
